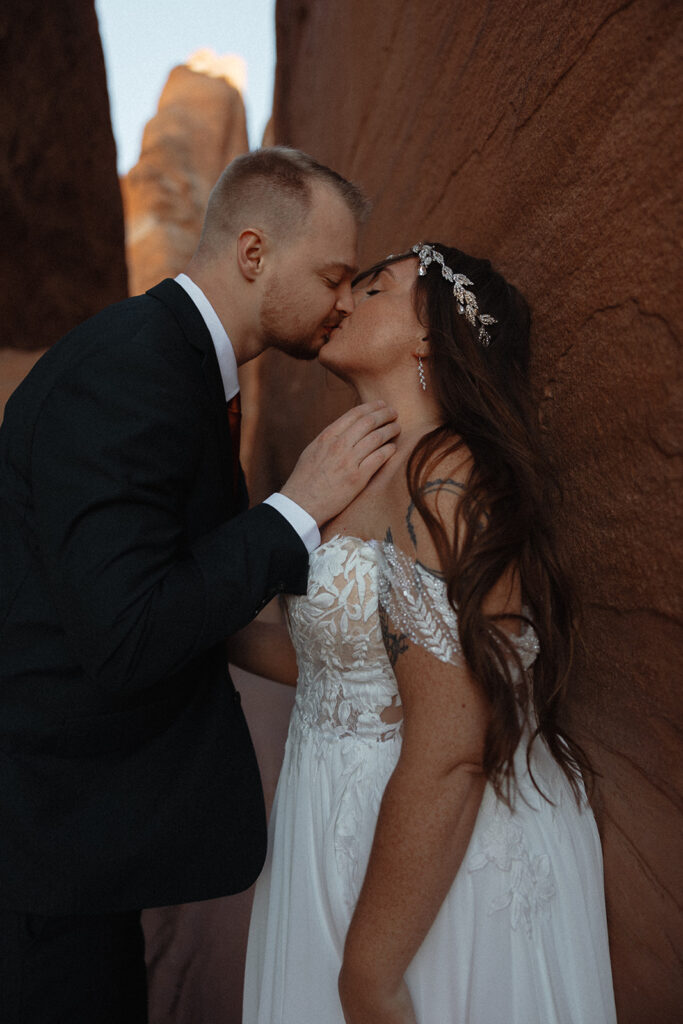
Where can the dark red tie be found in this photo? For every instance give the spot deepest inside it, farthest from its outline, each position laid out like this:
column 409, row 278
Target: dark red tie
column 235, row 421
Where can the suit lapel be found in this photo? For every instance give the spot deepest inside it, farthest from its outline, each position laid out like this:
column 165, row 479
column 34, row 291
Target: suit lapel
column 190, row 320
column 195, row 330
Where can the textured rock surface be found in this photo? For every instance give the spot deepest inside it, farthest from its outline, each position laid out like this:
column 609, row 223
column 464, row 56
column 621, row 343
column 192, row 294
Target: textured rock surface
column 543, row 135
column 200, row 126
column 62, row 254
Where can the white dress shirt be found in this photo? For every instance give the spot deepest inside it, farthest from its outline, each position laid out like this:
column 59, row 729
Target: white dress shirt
column 304, row 524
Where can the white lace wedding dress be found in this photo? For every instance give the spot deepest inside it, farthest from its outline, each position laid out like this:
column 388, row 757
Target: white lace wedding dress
column 521, row 937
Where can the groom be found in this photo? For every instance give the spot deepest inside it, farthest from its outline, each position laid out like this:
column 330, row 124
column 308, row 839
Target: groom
column 127, row 557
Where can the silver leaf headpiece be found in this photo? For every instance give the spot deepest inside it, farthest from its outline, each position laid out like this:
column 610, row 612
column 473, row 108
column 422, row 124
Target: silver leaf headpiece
column 467, row 303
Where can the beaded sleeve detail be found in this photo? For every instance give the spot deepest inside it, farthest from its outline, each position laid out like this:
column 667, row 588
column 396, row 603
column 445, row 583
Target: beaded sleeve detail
column 416, row 601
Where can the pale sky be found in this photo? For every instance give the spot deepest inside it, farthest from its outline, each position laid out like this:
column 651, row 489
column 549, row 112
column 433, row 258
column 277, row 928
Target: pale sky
column 144, row 39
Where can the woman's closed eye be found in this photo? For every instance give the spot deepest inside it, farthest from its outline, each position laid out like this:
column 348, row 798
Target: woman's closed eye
column 373, row 291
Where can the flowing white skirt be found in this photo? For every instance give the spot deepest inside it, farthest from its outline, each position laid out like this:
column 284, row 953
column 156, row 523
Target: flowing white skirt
column 521, row 937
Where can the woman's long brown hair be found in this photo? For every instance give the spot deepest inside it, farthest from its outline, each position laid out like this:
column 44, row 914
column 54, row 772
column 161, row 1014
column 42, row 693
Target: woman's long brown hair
column 504, row 518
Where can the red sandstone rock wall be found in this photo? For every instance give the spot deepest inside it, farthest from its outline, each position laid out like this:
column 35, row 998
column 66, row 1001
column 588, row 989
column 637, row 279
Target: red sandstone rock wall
column 544, row 135
column 200, row 126
column 62, row 253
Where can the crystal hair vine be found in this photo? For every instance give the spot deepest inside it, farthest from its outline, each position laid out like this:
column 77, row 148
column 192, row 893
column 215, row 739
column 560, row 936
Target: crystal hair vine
column 466, row 300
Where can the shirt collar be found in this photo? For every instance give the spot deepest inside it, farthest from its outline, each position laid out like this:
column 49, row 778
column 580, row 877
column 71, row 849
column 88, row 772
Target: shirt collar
column 221, row 342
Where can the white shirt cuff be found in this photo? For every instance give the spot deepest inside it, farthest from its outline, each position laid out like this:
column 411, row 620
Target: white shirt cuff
column 298, row 519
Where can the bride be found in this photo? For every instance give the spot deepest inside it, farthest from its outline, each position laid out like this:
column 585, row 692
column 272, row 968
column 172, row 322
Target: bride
column 432, row 854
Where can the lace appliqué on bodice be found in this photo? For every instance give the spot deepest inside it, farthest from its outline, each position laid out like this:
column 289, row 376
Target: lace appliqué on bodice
column 347, row 691
column 346, row 684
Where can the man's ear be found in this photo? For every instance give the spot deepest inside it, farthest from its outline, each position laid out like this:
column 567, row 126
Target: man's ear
column 250, row 250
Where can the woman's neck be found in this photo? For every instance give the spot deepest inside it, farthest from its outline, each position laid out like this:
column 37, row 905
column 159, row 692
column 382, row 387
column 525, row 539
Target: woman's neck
column 418, row 411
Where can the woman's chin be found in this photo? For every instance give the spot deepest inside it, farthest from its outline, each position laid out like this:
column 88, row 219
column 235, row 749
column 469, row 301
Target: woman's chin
column 334, row 367
column 326, row 357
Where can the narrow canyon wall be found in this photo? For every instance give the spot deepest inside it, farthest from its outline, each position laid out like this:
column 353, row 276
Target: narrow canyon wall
column 62, row 251
column 200, row 126
column 545, row 136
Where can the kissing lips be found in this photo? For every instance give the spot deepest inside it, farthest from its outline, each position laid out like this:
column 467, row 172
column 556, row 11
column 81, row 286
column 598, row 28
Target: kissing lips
column 330, row 328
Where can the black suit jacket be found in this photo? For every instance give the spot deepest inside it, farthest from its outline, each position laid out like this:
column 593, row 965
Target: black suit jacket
column 127, row 775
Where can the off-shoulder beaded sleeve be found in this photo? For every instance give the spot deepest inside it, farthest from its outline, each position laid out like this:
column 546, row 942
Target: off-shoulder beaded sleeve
column 415, row 599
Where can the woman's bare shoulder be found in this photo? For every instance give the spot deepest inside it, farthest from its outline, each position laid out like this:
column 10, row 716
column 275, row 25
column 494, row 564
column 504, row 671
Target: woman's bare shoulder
column 440, row 491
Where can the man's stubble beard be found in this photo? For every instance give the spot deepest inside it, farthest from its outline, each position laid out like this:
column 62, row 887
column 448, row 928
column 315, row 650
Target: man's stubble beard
column 301, row 347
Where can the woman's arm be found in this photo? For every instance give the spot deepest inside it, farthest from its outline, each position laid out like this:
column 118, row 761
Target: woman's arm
column 265, row 649
column 425, row 823
column 431, row 802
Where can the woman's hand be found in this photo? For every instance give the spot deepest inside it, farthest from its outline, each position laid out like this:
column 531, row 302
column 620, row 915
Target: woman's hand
column 265, row 649
column 363, row 1003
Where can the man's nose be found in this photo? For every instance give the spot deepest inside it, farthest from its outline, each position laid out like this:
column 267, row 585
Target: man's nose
column 345, row 302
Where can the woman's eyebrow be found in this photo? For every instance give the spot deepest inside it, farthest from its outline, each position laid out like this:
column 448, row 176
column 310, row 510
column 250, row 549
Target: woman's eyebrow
column 365, row 275
column 371, row 276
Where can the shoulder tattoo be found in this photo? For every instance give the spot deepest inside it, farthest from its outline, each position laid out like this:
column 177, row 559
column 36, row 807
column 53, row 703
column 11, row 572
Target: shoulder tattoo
column 396, row 643
column 431, row 487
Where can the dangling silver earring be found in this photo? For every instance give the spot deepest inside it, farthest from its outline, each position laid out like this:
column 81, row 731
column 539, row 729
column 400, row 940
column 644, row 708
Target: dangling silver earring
column 421, row 374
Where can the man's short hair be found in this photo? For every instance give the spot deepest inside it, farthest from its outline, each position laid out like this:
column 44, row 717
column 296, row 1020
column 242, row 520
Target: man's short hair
column 271, row 188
